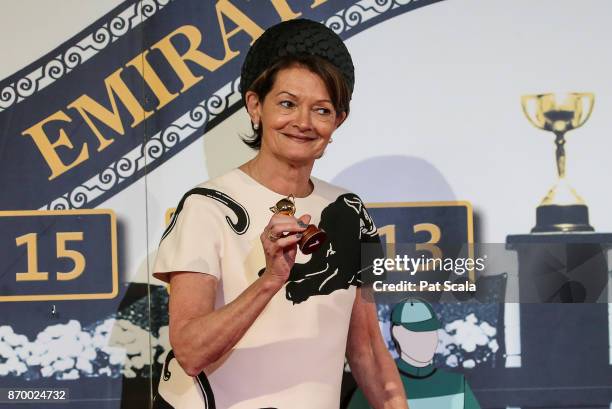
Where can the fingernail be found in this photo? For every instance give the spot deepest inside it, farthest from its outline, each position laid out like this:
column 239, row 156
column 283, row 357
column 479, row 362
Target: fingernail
column 299, row 235
column 302, row 224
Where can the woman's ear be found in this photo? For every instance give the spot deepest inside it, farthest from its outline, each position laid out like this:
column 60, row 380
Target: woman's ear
column 253, row 106
column 340, row 118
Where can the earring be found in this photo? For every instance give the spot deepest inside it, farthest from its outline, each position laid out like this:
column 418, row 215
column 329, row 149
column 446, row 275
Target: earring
column 330, row 140
column 255, row 127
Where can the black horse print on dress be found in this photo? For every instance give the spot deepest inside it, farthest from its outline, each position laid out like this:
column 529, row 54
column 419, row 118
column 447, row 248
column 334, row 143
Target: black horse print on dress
column 239, row 227
column 176, row 388
column 340, row 262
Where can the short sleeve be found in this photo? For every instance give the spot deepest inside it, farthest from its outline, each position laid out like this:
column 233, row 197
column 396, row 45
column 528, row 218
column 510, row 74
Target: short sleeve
column 192, row 241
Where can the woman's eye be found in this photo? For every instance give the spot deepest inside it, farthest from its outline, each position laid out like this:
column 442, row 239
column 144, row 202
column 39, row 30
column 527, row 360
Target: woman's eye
column 323, row 111
column 287, row 104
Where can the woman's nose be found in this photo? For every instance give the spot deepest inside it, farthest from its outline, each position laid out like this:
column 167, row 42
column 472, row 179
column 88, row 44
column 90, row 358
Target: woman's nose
column 303, row 120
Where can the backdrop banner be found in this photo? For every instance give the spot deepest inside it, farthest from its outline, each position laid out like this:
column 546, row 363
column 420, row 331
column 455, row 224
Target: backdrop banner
column 472, row 123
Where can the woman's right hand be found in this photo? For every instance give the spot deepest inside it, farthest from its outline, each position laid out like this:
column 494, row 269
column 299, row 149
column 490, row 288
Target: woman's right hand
column 279, row 240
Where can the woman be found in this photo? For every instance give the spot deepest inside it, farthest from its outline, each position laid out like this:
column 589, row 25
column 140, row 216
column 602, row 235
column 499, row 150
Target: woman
column 254, row 322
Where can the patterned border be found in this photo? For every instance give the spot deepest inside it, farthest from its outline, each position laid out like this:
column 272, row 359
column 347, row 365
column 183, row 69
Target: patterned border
column 361, row 12
column 153, row 149
column 64, row 63
column 164, row 143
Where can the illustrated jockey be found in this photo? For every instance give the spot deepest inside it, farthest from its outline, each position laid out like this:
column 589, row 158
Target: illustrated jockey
column 414, row 331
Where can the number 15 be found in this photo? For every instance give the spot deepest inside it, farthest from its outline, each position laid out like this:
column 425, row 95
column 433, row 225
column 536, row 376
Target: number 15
column 31, row 242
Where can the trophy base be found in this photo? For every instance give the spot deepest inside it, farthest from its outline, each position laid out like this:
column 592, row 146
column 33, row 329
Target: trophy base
column 562, row 218
column 312, row 239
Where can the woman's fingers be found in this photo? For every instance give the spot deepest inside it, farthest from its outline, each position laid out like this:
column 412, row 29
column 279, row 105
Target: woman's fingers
column 276, row 246
column 278, row 238
column 305, row 218
column 281, row 229
column 286, row 223
column 289, row 240
column 281, row 218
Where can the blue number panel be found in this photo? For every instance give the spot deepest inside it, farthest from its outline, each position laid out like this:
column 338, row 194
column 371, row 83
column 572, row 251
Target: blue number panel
column 58, row 255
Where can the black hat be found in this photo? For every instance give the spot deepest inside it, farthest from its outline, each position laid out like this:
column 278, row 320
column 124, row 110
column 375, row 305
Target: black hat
column 296, row 38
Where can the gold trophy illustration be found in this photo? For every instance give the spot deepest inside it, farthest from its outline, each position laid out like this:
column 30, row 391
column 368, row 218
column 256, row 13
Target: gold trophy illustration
column 562, row 209
column 312, row 237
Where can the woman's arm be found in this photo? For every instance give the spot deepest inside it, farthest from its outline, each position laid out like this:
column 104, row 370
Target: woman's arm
column 369, row 359
column 201, row 335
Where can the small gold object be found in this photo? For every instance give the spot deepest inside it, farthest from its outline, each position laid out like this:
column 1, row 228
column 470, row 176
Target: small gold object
column 285, row 206
column 312, row 237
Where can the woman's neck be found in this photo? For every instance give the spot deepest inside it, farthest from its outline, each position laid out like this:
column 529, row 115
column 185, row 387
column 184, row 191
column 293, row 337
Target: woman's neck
column 280, row 176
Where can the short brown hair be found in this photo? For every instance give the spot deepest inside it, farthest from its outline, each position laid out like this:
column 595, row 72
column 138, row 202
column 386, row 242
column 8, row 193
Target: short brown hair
column 333, row 79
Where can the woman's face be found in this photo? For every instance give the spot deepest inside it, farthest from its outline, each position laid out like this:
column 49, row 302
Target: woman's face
column 297, row 116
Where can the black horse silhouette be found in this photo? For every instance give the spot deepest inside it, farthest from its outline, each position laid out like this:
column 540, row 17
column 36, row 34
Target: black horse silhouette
column 346, row 257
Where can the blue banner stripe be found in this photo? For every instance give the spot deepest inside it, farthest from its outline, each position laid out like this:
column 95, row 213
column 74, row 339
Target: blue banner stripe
column 81, row 139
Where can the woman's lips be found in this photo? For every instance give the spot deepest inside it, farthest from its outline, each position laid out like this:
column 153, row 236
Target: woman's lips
column 300, row 138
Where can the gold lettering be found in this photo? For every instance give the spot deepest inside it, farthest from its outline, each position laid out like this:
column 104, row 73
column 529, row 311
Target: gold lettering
column 243, row 22
column 31, row 242
column 177, row 61
column 86, row 106
column 74, row 255
column 430, row 245
column 147, row 72
column 388, row 234
column 284, row 11
column 48, row 148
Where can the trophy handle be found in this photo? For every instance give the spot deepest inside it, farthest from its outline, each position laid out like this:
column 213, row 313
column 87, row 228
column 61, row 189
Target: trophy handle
column 581, row 117
column 539, row 121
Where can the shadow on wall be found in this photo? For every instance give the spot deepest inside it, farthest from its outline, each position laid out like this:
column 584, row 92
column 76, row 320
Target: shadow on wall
column 223, row 146
column 400, row 178
column 395, row 179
